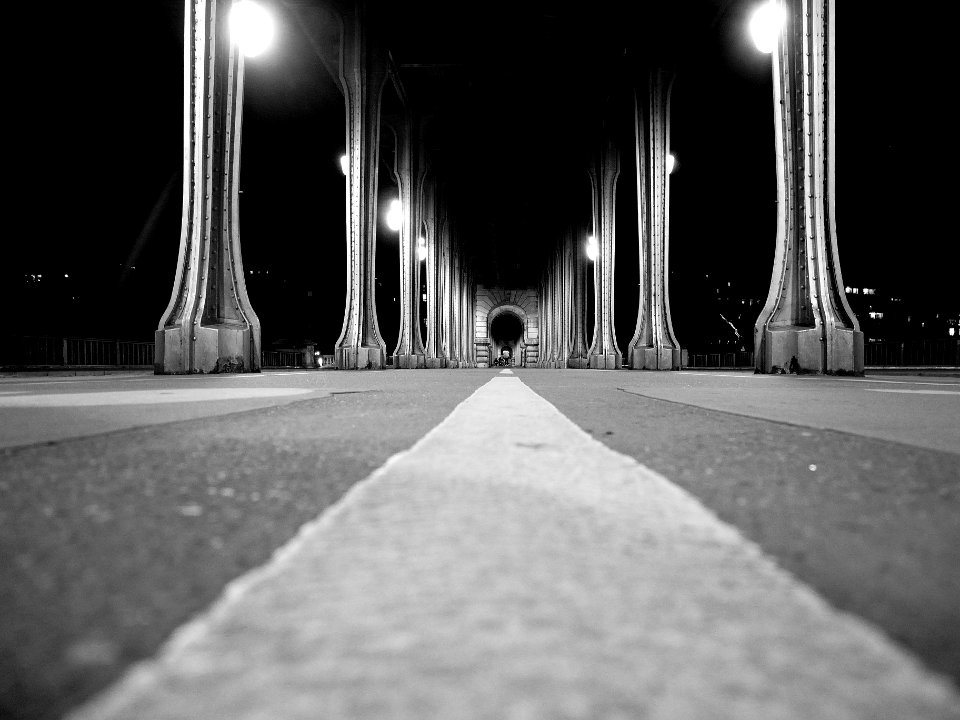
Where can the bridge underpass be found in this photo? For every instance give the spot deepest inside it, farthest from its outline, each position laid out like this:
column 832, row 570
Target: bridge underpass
column 529, row 168
column 459, row 544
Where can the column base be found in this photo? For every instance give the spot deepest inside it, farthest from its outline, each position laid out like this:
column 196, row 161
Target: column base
column 408, row 362
column 578, row 362
column 362, row 358
column 607, row 361
column 433, row 363
column 801, row 349
column 656, row 358
column 225, row 348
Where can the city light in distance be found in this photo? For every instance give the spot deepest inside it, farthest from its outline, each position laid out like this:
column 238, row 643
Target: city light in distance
column 344, row 164
column 765, row 25
column 395, row 215
column 251, row 28
column 671, row 164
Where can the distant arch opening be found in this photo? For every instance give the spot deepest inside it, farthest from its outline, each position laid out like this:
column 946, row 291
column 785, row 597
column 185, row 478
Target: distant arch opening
column 506, row 335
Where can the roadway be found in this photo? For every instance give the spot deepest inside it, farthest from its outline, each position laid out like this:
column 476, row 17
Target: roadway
column 129, row 503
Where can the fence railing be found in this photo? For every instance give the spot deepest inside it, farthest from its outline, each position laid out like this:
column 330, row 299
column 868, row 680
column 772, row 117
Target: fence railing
column 738, row 359
column 47, row 351
column 281, row 359
column 941, row 352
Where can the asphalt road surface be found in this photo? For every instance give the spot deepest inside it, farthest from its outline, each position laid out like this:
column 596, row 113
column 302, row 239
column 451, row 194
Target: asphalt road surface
column 127, row 503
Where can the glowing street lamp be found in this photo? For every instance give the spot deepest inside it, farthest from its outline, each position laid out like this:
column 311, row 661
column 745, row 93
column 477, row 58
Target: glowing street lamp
column 593, row 249
column 765, row 25
column 251, row 27
column 671, row 164
column 395, row 215
column 421, row 249
column 344, row 164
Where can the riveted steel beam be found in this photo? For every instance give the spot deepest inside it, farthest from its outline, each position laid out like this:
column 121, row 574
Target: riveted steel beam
column 209, row 324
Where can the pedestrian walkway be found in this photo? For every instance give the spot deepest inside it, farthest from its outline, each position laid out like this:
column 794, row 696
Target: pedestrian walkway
column 508, row 566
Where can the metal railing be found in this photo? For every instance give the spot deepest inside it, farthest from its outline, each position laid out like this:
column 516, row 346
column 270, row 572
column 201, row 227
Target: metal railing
column 47, row 351
column 941, row 352
column 281, row 359
column 738, row 359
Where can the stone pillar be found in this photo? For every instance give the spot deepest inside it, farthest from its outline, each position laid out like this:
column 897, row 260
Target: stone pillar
column 654, row 345
column 363, row 73
column 209, row 325
column 604, row 353
column 409, row 353
column 806, row 315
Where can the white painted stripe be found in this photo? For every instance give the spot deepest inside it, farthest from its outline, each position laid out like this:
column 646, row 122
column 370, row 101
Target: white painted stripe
column 904, row 391
column 159, row 396
column 731, row 374
column 510, row 566
column 893, row 382
column 506, row 372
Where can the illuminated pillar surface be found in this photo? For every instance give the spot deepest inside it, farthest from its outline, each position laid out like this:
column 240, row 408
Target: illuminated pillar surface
column 363, row 73
column 562, row 330
column 806, row 315
column 409, row 353
column 432, row 341
column 654, row 345
column 604, row 353
column 578, row 357
column 209, row 324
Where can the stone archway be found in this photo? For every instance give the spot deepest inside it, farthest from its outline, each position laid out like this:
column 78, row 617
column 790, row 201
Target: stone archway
column 506, row 330
column 520, row 304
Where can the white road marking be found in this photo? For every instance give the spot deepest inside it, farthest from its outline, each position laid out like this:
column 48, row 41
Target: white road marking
column 916, row 392
column 726, row 374
column 144, row 397
column 506, row 372
column 98, row 378
column 510, row 566
column 897, row 382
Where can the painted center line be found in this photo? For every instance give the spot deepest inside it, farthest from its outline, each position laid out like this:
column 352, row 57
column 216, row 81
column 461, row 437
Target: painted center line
column 510, row 566
column 915, row 392
column 144, row 397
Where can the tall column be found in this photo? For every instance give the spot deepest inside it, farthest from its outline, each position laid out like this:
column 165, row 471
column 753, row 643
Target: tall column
column 578, row 345
column 566, row 257
column 363, row 73
column 454, row 275
column 443, row 238
column 806, row 315
column 547, row 318
column 409, row 353
column 604, row 353
column 209, row 324
column 654, row 345
column 432, row 342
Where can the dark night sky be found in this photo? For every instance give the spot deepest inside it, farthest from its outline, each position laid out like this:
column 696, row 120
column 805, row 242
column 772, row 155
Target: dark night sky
column 96, row 147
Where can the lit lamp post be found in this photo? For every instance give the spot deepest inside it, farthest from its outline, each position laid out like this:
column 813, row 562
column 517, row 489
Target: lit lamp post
column 765, row 25
column 593, row 249
column 395, row 215
column 251, row 28
column 817, row 328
